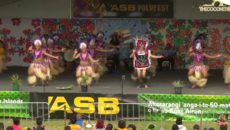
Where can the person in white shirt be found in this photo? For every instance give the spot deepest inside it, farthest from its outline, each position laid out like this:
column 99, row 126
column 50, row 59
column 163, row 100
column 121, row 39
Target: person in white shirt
column 179, row 124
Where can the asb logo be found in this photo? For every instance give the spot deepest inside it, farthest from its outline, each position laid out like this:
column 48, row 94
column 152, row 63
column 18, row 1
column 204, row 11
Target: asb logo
column 216, row 6
column 84, row 105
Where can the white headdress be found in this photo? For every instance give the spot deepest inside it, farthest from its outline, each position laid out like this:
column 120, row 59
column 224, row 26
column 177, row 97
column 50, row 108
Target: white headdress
column 37, row 41
column 198, row 46
column 83, row 45
column 50, row 41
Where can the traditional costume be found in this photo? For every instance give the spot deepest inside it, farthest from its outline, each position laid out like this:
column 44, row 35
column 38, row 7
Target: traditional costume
column 2, row 57
column 60, row 62
column 226, row 70
column 35, row 69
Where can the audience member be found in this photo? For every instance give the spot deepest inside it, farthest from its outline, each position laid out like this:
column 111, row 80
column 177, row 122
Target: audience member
column 16, row 124
column 151, row 127
column 168, row 54
column 196, row 127
column 80, row 121
column 179, row 123
column 131, row 127
column 175, row 127
column 223, row 127
column 127, row 54
column 26, row 128
column 100, row 125
column 67, row 128
column 122, row 125
column 115, row 42
column 39, row 125
column 211, row 128
column 73, row 124
column 109, row 127
column 9, row 128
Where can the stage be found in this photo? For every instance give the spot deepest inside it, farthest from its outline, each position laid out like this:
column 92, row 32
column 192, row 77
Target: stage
column 111, row 83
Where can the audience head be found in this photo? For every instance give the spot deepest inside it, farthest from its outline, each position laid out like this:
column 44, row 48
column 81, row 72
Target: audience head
column 223, row 127
column 211, row 128
column 179, row 121
column 73, row 119
column 131, row 127
column 151, row 127
column 9, row 128
column 26, row 128
column 175, row 127
column 196, row 127
column 168, row 46
column 39, row 121
column 16, row 121
column 79, row 116
column 109, row 127
column 67, row 128
column 100, row 124
column 121, row 124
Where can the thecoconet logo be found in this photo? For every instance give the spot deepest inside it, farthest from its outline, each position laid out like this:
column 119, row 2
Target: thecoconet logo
column 216, row 6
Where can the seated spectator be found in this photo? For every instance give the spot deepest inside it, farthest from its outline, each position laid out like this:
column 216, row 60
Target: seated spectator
column 109, row 127
column 223, row 127
column 131, row 127
column 16, row 124
column 26, row 128
column 169, row 55
column 39, row 125
column 67, row 128
column 73, row 124
column 175, row 127
column 222, row 120
column 151, row 127
column 211, row 128
column 179, row 123
column 80, row 121
column 122, row 125
column 128, row 53
column 100, row 125
column 9, row 128
column 196, row 127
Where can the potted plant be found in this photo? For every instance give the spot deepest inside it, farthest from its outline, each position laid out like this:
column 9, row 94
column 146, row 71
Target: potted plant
column 83, row 83
column 15, row 81
column 178, row 85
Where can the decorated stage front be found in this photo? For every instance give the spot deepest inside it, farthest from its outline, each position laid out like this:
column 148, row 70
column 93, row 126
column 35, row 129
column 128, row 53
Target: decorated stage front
column 149, row 106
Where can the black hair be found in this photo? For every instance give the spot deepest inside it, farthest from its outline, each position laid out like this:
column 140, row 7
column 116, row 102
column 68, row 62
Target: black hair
column 121, row 124
column 196, row 127
column 73, row 119
column 179, row 121
column 223, row 127
column 67, row 128
column 39, row 121
column 132, row 126
column 211, row 128
column 151, row 127
column 9, row 128
column 16, row 121
column 175, row 127
column 109, row 127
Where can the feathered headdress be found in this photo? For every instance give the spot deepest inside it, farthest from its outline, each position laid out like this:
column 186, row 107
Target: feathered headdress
column 42, row 38
column 142, row 42
column 82, row 45
column 91, row 40
column 197, row 41
column 50, row 40
column 37, row 42
column 55, row 36
column 100, row 34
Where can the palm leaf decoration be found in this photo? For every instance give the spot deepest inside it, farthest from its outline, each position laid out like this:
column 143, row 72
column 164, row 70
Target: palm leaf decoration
column 178, row 83
column 84, row 80
column 15, row 80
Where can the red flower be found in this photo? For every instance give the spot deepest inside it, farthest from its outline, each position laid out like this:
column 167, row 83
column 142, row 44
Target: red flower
column 83, row 28
column 188, row 33
column 38, row 31
column 27, row 59
column 21, row 40
column 35, row 23
column 63, row 35
column 159, row 41
column 8, row 59
column 21, row 52
column 49, row 25
column 27, row 32
column 86, row 23
column 160, row 26
column 182, row 48
column 16, row 21
column 170, row 41
column 76, row 36
column 177, row 25
column 159, row 20
column 28, row 43
column 11, row 51
column 6, row 31
column 12, row 40
column 0, row 21
column 168, row 35
column 196, row 25
column 90, row 29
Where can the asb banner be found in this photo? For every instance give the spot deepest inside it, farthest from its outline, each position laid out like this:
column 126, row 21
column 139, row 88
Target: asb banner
column 123, row 8
column 190, row 107
column 12, row 104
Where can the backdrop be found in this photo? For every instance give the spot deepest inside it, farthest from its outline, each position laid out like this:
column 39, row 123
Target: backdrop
column 18, row 33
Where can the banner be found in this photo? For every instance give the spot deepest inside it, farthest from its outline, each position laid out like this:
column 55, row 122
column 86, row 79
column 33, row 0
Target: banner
column 123, row 9
column 190, row 107
column 12, row 104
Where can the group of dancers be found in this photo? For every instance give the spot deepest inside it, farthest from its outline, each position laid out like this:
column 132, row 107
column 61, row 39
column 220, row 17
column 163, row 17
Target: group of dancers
column 91, row 52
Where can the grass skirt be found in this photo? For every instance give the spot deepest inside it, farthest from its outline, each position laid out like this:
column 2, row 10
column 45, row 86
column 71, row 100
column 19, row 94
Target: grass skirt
column 50, row 63
column 83, row 72
column 226, row 73
column 197, row 77
column 2, row 63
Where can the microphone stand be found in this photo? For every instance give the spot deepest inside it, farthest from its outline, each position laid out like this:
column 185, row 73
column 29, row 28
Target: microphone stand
column 44, row 85
column 122, row 87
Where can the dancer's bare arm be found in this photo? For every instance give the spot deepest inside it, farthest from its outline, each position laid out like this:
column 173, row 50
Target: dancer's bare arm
column 154, row 56
column 59, row 51
column 51, row 56
column 131, row 56
column 91, row 59
column 108, row 45
column 104, row 50
column 211, row 57
column 76, row 55
column 190, row 52
column 156, row 50
column 30, row 50
column 157, row 45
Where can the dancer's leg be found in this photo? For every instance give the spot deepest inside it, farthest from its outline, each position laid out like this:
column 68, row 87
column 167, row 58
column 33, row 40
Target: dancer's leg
column 44, row 71
column 191, row 72
column 139, row 77
column 144, row 77
column 89, row 75
column 32, row 78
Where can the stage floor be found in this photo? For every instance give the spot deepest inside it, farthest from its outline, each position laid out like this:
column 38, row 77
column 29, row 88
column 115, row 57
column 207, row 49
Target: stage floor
column 111, row 84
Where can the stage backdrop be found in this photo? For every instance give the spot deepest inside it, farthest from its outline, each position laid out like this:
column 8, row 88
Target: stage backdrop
column 17, row 34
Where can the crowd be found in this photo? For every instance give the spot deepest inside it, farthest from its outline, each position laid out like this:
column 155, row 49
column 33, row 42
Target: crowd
column 77, row 123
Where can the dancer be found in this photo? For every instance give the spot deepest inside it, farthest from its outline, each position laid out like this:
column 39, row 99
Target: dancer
column 226, row 70
column 102, row 55
column 2, row 57
column 84, row 68
column 198, row 70
column 37, row 69
column 142, row 59
column 93, row 50
column 57, row 46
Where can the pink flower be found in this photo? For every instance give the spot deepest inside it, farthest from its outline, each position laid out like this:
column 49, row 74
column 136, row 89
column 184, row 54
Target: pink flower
column 21, row 40
column 12, row 40
column 27, row 59
column 27, row 32
column 21, row 52
column 16, row 21
column 38, row 31
column 35, row 23
column 6, row 31
column 28, row 43
column 11, row 51
column 86, row 23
